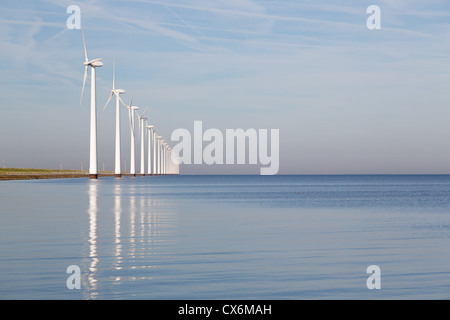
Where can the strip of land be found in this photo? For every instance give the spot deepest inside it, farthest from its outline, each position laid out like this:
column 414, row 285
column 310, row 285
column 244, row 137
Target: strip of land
column 29, row 174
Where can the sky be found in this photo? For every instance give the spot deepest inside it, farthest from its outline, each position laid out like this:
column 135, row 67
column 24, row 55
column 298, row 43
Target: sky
column 346, row 99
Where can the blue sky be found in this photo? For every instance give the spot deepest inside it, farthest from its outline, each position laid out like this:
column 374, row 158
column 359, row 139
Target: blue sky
column 346, row 99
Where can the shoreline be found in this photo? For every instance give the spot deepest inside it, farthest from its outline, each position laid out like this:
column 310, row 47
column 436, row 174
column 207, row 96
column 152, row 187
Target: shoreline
column 61, row 176
column 33, row 174
column 47, row 176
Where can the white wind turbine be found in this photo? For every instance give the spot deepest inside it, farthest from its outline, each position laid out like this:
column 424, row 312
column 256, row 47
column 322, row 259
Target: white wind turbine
column 131, row 110
column 154, row 151
column 117, row 93
column 161, row 146
column 96, row 63
column 158, row 155
column 162, row 156
column 166, row 146
column 142, row 119
column 168, row 160
column 149, row 148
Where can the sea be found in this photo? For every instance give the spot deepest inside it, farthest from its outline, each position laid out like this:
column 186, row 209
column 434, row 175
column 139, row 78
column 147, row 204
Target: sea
column 282, row 237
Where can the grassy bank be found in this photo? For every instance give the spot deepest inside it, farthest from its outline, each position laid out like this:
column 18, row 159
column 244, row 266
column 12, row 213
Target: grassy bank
column 31, row 173
column 14, row 171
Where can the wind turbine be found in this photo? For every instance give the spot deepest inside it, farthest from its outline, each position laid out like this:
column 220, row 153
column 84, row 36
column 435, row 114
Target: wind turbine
column 142, row 138
column 117, row 93
column 161, row 163
column 131, row 110
column 166, row 159
column 149, row 148
column 169, row 164
column 96, row 63
column 154, row 151
column 158, row 158
column 166, row 147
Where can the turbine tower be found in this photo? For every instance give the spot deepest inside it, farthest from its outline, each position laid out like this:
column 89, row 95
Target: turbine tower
column 142, row 138
column 149, row 148
column 96, row 63
column 158, row 158
column 164, row 148
column 154, row 151
column 131, row 111
column 166, row 159
column 117, row 93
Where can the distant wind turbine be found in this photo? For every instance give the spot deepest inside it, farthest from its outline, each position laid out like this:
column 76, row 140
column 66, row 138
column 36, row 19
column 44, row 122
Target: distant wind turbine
column 159, row 155
column 131, row 110
column 117, row 93
column 154, row 150
column 96, row 63
column 163, row 161
column 164, row 157
column 166, row 146
column 149, row 148
column 142, row 139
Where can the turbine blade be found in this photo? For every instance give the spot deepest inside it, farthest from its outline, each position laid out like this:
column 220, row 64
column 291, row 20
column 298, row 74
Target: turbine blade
column 94, row 60
column 84, row 43
column 131, row 101
column 84, row 82
column 120, row 99
column 139, row 119
column 131, row 122
column 109, row 99
column 140, row 130
column 114, row 74
column 132, row 96
column 144, row 112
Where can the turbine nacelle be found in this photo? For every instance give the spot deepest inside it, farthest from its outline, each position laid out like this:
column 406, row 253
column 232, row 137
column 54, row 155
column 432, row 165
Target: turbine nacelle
column 114, row 91
column 142, row 115
column 97, row 64
column 94, row 63
column 117, row 93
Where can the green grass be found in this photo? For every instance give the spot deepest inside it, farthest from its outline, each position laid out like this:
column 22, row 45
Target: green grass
column 8, row 171
column 32, row 173
column 35, row 171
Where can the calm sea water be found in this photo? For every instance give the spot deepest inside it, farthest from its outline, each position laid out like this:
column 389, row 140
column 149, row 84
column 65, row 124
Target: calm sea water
column 226, row 237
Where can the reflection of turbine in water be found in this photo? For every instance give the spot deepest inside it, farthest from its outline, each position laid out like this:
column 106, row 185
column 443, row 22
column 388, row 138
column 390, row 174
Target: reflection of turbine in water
column 117, row 235
column 93, row 257
column 158, row 224
column 132, row 225
column 142, row 222
column 142, row 246
column 149, row 230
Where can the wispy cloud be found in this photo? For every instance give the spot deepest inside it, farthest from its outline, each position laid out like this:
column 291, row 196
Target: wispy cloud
column 310, row 68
